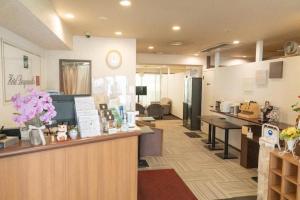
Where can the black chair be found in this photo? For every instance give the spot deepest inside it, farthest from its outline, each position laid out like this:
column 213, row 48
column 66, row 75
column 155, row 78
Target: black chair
column 140, row 108
column 156, row 111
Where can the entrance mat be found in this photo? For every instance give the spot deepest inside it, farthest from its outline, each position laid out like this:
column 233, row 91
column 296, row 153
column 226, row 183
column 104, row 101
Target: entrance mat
column 162, row 184
column 193, row 134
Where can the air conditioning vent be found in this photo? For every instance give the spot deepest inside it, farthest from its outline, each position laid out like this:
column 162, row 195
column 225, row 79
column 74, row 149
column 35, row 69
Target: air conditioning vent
column 218, row 46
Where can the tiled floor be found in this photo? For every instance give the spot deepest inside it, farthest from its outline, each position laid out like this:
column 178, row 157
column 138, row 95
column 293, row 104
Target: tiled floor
column 208, row 176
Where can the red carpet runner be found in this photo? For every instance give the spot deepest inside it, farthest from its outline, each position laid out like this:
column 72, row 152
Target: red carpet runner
column 162, row 185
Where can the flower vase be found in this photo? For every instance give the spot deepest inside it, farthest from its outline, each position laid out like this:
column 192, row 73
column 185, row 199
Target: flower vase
column 35, row 138
column 36, row 135
column 291, row 145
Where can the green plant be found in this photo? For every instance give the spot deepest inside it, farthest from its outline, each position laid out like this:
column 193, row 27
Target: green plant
column 296, row 106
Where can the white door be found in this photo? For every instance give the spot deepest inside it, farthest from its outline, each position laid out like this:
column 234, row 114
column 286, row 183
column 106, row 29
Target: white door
column 208, row 100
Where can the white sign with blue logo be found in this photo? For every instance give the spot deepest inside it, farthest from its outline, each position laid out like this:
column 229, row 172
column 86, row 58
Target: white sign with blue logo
column 270, row 133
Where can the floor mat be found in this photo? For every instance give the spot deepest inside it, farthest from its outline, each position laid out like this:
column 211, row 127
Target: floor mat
column 162, row 184
column 170, row 117
column 193, row 134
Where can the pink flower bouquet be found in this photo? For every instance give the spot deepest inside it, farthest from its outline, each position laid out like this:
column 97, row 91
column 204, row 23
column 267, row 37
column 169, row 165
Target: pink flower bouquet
column 34, row 109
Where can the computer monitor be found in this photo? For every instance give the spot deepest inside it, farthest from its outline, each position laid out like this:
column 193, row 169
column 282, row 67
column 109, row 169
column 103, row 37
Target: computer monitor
column 65, row 108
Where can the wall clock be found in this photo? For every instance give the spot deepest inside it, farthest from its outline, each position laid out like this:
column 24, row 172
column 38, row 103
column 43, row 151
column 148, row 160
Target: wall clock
column 114, row 59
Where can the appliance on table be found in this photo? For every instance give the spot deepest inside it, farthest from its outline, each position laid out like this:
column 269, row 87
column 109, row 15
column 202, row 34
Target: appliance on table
column 225, row 106
column 249, row 110
column 192, row 103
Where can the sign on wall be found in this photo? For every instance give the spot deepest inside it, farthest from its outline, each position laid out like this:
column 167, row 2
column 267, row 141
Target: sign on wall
column 21, row 70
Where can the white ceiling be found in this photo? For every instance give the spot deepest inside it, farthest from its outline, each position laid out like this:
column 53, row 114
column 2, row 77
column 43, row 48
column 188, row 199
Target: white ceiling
column 204, row 22
column 17, row 18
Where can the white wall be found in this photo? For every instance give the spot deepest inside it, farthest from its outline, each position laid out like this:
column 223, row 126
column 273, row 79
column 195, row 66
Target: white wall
column 228, row 85
column 172, row 86
column 6, row 109
column 95, row 49
column 165, row 59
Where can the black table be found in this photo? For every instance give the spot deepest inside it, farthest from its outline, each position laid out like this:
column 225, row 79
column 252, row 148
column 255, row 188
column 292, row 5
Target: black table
column 223, row 124
column 208, row 119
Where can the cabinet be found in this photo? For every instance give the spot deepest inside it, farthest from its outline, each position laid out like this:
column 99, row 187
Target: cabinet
column 192, row 103
column 284, row 179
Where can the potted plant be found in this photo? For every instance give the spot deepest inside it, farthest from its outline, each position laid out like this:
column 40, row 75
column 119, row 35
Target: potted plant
column 291, row 137
column 35, row 109
column 296, row 108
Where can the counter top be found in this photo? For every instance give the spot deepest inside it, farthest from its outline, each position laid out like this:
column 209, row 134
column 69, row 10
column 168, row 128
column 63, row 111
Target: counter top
column 25, row 147
column 280, row 125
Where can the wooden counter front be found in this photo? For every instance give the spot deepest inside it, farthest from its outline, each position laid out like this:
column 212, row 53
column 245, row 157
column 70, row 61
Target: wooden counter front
column 103, row 167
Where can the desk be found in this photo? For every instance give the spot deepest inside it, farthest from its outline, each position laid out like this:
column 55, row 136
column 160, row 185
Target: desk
column 223, row 124
column 207, row 119
column 280, row 125
column 102, row 167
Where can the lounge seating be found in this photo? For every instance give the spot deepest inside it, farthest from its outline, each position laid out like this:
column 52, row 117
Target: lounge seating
column 155, row 111
column 140, row 108
column 166, row 104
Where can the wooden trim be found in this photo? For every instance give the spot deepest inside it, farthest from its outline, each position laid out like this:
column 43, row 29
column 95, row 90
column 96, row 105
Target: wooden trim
column 74, row 60
column 25, row 147
column 101, row 170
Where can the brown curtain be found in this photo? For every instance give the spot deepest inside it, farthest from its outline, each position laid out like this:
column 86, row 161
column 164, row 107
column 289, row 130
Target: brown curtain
column 69, row 77
column 76, row 78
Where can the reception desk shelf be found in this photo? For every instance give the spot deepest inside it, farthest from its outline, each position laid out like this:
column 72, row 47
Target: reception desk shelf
column 284, row 178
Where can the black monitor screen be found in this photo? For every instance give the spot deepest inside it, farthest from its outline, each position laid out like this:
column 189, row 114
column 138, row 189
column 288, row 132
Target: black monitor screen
column 65, row 108
column 141, row 90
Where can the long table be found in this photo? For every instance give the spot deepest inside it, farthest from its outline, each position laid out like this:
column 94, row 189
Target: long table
column 218, row 122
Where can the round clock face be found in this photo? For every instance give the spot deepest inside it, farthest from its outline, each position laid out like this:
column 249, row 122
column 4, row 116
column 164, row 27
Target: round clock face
column 114, row 59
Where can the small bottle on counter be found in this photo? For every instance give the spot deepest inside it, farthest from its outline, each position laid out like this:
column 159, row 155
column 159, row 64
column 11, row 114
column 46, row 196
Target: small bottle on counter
column 250, row 134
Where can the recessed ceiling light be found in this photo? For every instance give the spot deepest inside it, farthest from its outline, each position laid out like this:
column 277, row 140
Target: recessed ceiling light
column 69, row 16
column 125, row 3
column 196, row 54
column 176, row 43
column 103, row 18
column 235, row 42
column 176, row 28
column 244, row 56
column 151, row 47
column 118, row 33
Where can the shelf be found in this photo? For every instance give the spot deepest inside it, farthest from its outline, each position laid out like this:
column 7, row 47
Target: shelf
column 277, row 172
column 292, row 179
column 290, row 196
column 276, row 188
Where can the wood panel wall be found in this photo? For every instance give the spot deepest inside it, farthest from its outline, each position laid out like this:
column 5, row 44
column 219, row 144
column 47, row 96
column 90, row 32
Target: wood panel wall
column 104, row 170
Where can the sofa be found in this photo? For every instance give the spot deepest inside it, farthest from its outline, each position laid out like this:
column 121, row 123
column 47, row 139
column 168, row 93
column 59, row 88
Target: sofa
column 166, row 104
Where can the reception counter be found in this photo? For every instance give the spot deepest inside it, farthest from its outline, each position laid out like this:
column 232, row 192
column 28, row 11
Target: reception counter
column 102, row 167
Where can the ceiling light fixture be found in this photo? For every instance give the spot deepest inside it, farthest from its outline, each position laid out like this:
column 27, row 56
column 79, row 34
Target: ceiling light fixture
column 125, row 3
column 235, row 42
column 196, row 54
column 151, row 47
column 118, row 33
column 177, row 43
column 69, row 16
column 103, row 18
column 176, row 28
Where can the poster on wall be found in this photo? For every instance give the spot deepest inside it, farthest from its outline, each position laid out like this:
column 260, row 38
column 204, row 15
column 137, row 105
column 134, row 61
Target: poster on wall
column 21, row 70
